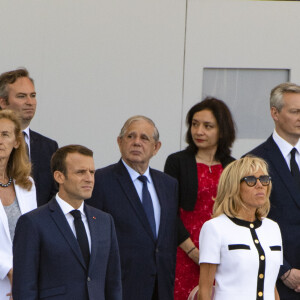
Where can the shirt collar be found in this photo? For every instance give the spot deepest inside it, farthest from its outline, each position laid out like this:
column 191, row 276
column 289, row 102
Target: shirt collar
column 66, row 207
column 134, row 174
column 283, row 145
column 26, row 130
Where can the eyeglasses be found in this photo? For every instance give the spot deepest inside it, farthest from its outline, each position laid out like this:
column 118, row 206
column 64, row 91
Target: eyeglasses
column 251, row 180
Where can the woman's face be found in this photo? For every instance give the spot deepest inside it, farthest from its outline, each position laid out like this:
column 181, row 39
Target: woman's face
column 7, row 138
column 255, row 196
column 205, row 130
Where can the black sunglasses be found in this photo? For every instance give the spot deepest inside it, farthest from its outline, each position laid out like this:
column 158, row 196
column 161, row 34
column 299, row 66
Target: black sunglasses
column 251, row 180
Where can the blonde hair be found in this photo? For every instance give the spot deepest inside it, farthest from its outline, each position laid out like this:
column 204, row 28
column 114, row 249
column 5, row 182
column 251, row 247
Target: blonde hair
column 228, row 200
column 18, row 166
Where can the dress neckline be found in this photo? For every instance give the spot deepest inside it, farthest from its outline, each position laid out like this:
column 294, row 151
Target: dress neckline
column 253, row 225
column 199, row 163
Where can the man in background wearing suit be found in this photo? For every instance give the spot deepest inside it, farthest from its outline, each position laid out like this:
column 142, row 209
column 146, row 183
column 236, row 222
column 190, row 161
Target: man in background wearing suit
column 143, row 203
column 65, row 249
column 17, row 93
column 281, row 151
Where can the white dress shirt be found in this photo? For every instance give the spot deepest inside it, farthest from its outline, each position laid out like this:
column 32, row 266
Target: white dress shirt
column 285, row 148
column 66, row 208
column 139, row 188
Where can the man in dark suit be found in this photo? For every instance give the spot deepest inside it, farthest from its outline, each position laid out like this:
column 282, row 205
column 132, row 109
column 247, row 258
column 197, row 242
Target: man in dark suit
column 283, row 164
column 17, row 93
column 66, row 249
column 143, row 203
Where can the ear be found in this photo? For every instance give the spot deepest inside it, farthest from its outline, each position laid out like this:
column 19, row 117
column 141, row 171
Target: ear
column 274, row 113
column 17, row 145
column 156, row 147
column 3, row 103
column 119, row 141
column 59, row 177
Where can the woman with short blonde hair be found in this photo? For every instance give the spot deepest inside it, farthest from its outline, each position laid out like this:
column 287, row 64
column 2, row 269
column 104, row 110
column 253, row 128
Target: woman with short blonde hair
column 241, row 249
column 228, row 200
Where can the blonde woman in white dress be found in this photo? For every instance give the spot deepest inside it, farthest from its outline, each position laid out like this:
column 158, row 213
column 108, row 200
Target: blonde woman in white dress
column 241, row 249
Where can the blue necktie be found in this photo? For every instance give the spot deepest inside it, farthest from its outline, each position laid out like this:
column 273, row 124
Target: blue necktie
column 147, row 204
column 81, row 236
column 26, row 145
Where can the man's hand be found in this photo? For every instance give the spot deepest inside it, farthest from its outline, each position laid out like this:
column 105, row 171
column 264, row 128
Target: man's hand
column 292, row 279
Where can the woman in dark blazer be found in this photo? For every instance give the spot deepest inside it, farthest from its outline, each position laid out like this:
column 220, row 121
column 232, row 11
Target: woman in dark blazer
column 210, row 135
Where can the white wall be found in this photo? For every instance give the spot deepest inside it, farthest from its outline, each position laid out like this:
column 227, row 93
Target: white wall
column 240, row 34
column 96, row 63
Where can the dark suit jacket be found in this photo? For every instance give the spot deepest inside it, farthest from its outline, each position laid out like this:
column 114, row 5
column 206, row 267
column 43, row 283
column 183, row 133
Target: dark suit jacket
column 41, row 150
column 142, row 257
column 182, row 166
column 48, row 263
column 285, row 209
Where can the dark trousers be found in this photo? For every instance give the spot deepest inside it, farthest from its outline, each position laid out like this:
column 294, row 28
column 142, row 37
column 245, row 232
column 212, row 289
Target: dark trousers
column 155, row 291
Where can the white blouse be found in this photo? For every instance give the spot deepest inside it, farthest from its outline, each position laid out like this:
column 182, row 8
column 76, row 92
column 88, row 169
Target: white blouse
column 248, row 256
column 27, row 202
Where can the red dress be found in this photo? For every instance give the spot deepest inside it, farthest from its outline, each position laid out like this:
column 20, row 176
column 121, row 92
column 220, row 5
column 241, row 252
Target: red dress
column 187, row 272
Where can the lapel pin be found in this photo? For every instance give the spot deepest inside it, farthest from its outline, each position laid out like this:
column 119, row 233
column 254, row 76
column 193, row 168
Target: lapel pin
column 94, row 218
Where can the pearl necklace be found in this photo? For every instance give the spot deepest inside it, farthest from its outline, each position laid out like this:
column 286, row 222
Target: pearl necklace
column 6, row 184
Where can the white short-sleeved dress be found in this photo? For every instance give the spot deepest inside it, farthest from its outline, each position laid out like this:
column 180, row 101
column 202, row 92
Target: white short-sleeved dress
column 248, row 255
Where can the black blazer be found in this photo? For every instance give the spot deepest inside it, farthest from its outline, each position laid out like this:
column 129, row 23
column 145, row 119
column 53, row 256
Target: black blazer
column 285, row 209
column 182, row 166
column 48, row 263
column 143, row 258
column 41, row 150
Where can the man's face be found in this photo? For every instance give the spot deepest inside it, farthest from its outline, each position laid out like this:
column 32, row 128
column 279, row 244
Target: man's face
column 78, row 182
column 137, row 145
column 287, row 121
column 21, row 99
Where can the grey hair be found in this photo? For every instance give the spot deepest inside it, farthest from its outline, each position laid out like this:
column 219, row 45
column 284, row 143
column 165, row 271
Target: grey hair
column 139, row 118
column 276, row 96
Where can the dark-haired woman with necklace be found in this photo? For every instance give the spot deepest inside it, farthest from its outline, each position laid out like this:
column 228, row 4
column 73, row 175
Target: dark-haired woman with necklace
column 17, row 192
column 210, row 135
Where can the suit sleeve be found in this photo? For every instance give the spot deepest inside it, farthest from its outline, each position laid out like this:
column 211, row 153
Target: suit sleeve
column 284, row 267
column 25, row 260
column 172, row 168
column 54, row 188
column 5, row 250
column 113, row 285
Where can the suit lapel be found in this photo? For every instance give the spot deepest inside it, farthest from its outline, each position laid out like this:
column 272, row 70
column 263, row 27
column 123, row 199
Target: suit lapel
column 128, row 187
column 26, row 199
column 162, row 197
column 4, row 221
column 34, row 153
column 279, row 164
column 94, row 231
column 64, row 228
